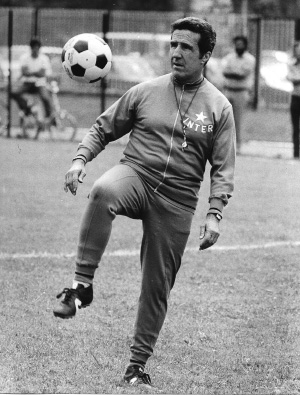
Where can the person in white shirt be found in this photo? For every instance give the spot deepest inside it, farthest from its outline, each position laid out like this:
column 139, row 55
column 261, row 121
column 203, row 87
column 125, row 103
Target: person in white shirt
column 238, row 71
column 294, row 77
column 35, row 69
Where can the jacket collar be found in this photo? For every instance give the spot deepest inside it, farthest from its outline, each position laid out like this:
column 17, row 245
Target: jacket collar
column 188, row 85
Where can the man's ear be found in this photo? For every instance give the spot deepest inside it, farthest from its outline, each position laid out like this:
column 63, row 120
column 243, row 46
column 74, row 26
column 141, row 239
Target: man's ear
column 205, row 58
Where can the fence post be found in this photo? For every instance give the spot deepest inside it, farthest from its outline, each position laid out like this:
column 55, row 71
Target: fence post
column 257, row 64
column 9, row 43
column 105, row 30
column 296, row 136
column 297, row 30
column 35, row 23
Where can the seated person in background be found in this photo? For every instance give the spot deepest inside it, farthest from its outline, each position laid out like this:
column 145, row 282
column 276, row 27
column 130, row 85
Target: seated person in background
column 35, row 69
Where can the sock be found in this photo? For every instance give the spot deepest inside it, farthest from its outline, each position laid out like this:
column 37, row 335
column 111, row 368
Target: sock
column 84, row 276
column 134, row 362
column 76, row 283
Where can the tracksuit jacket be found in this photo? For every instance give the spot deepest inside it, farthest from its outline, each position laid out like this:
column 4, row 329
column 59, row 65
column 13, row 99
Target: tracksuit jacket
column 149, row 112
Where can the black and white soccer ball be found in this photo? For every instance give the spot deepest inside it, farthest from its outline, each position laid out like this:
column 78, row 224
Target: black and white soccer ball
column 86, row 58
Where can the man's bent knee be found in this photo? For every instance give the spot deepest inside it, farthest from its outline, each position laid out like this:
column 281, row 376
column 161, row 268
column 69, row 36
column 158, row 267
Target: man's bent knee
column 103, row 190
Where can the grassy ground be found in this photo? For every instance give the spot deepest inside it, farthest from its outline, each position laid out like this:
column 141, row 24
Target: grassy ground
column 233, row 320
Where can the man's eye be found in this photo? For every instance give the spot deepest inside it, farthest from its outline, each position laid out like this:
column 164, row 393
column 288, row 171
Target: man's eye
column 173, row 45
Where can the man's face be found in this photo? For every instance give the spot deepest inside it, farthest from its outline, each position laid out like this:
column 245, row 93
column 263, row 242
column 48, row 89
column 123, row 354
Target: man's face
column 186, row 60
column 35, row 49
column 240, row 47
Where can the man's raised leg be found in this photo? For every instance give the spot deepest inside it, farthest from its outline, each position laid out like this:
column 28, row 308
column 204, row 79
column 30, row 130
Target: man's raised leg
column 118, row 192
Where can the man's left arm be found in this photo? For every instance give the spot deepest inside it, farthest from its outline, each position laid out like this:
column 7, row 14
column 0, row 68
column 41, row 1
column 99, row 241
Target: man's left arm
column 222, row 162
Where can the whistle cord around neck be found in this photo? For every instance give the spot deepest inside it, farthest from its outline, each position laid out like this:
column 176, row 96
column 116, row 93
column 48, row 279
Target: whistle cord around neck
column 185, row 144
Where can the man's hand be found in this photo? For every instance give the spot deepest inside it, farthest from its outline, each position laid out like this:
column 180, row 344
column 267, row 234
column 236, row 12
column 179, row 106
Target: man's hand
column 210, row 232
column 75, row 175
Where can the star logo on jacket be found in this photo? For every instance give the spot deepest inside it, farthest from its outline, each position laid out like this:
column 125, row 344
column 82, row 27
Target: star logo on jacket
column 199, row 127
column 201, row 117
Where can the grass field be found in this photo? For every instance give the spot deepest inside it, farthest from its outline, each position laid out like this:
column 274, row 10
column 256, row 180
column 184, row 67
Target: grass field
column 233, row 323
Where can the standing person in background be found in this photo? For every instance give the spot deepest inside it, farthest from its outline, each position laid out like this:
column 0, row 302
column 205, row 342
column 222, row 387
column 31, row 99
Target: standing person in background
column 35, row 69
column 238, row 71
column 177, row 122
column 294, row 77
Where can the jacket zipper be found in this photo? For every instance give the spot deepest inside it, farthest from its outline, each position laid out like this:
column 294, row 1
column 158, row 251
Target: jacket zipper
column 171, row 143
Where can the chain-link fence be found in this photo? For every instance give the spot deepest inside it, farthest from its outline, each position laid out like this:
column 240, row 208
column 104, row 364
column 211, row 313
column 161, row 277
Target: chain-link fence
column 140, row 45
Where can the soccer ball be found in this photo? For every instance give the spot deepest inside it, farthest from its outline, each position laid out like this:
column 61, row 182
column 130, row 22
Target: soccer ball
column 86, row 58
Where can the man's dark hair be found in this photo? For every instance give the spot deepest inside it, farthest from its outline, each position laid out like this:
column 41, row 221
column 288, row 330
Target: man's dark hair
column 208, row 35
column 35, row 41
column 241, row 38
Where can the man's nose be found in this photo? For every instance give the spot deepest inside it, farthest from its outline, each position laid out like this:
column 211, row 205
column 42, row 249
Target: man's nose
column 177, row 52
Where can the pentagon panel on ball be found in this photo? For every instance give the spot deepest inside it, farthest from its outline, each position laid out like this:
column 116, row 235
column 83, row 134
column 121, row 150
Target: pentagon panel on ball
column 86, row 58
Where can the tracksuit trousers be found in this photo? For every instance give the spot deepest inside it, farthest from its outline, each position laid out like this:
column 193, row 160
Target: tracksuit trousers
column 166, row 228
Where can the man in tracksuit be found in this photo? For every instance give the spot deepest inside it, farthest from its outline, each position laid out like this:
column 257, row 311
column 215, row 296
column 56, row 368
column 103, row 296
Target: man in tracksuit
column 178, row 122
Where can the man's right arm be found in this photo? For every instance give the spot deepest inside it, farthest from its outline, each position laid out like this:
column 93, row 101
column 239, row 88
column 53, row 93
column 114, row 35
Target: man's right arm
column 114, row 123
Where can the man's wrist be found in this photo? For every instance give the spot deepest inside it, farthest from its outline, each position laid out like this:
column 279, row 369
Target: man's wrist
column 217, row 215
column 216, row 212
column 80, row 157
column 86, row 153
